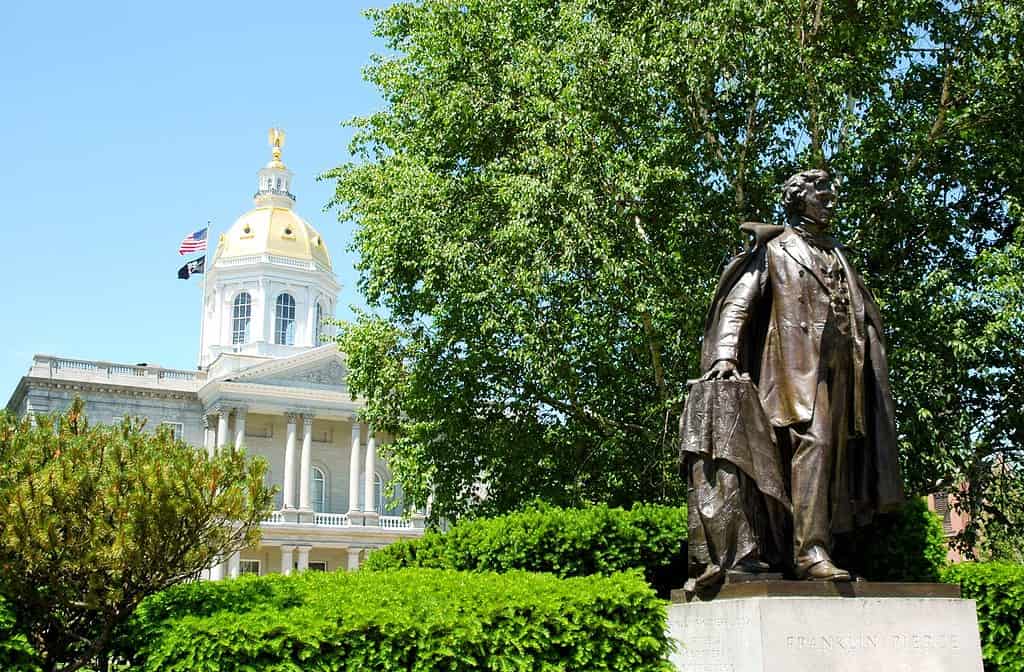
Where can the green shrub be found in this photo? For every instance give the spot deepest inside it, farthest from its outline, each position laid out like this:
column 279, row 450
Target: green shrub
column 565, row 542
column 409, row 619
column 903, row 546
column 998, row 590
column 16, row 654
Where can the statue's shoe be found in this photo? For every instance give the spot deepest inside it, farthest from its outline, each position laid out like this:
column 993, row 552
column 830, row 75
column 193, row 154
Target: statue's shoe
column 824, row 570
column 751, row 567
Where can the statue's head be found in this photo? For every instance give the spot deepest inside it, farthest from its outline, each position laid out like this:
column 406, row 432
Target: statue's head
column 809, row 195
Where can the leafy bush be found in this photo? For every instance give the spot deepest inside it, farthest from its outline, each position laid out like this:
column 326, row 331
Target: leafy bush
column 409, row 619
column 16, row 654
column 998, row 589
column 903, row 546
column 566, row 542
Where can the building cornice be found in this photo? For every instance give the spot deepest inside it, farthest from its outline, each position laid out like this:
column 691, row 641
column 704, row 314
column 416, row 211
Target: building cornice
column 32, row 382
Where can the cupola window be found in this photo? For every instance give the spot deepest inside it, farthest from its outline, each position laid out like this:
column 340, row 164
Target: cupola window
column 284, row 322
column 241, row 316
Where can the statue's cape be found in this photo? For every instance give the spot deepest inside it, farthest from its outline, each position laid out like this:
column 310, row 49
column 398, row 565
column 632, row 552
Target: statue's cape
column 872, row 481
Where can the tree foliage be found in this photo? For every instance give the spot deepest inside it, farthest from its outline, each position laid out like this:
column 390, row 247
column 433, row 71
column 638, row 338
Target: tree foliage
column 544, row 202
column 95, row 518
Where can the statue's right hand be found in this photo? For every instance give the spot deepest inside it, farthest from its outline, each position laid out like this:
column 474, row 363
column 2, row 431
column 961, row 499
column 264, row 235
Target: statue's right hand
column 723, row 369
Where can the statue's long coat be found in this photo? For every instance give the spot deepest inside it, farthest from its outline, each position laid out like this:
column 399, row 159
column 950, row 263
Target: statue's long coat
column 768, row 316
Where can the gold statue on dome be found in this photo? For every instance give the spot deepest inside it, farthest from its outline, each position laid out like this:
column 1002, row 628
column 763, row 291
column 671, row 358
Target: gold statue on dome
column 276, row 140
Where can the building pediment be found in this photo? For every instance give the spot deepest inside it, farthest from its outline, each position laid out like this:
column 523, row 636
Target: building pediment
column 322, row 368
column 329, row 376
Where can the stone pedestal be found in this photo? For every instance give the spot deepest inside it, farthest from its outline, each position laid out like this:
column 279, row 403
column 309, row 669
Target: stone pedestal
column 798, row 626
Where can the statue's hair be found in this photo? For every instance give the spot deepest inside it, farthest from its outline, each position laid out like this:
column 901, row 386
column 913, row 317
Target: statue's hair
column 794, row 188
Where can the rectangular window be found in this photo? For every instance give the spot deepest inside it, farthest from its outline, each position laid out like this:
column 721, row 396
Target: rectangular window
column 249, row 567
column 177, row 428
column 318, row 565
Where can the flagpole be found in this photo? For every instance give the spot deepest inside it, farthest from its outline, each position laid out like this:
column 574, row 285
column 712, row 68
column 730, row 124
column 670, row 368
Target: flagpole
column 202, row 312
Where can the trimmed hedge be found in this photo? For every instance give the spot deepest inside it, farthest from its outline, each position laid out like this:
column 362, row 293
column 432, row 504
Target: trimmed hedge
column 904, row 546
column 998, row 589
column 409, row 619
column 564, row 542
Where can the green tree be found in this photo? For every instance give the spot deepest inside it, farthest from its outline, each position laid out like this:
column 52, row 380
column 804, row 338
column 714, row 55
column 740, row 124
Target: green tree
column 95, row 518
column 544, row 202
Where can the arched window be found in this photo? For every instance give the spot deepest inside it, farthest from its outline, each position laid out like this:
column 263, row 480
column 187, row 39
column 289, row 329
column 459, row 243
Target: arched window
column 284, row 323
column 241, row 314
column 319, row 324
column 319, row 494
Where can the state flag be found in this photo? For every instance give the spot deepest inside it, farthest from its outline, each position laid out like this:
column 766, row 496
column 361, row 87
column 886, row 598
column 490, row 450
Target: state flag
column 194, row 267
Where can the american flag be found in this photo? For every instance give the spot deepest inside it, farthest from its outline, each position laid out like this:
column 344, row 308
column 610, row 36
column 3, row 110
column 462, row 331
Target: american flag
column 194, row 242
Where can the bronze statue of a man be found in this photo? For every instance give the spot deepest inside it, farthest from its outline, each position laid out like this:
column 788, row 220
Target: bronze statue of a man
column 794, row 319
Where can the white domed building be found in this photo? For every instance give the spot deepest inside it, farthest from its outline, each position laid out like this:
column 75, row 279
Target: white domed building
column 270, row 380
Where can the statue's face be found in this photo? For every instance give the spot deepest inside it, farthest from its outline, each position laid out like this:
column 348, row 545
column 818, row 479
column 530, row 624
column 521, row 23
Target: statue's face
column 819, row 199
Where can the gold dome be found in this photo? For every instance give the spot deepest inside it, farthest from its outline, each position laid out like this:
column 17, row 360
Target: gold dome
column 273, row 230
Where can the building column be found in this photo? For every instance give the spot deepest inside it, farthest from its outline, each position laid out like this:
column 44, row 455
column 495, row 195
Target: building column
column 209, row 437
column 303, row 558
column 286, row 559
column 234, row 564
column 222, row 427
column 369, row 501
column 352, row 562
column 353, row 470
column 240, row 427
column 305, row 466
column 289, row 463
column 217, row 570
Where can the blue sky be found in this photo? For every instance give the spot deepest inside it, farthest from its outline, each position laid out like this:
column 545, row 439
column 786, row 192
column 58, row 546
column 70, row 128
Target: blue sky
column 128, row 125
